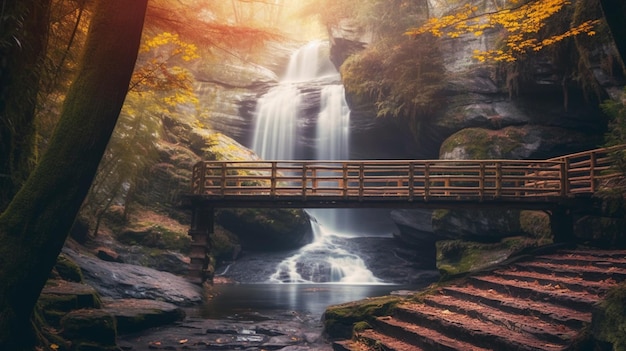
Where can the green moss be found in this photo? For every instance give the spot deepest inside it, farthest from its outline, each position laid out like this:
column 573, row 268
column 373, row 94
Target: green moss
column 361, row 326
column 91, row 326
column 480, row 144
column 536, row 224
column 157, row 236
column 440, row 214
column 609, row 318
column 340, row 320
column 458, row 256
column 68, row 269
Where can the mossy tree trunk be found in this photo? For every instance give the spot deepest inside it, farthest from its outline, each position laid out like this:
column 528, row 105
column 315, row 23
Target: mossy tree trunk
column 23, row 39
column 615, row 15
column 35, row 224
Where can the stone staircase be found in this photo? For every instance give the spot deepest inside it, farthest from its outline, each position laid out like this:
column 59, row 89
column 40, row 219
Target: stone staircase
column 538, row 304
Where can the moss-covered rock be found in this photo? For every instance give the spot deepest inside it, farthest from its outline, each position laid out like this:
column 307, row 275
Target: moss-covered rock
column 341, row 320
column 266, row 229
column 68, row 269
column 485, row 225
column 134, row 315
column 156, row 236
column 514, row 142
column 93, row 327
column 459, row 256
column 603, row 232
column 536, row 224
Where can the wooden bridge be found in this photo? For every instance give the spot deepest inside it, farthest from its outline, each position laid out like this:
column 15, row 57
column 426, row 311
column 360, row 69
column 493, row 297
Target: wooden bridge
column 531, row 184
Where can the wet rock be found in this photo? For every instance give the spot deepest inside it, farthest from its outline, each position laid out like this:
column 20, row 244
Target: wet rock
column 267, row 229
column 107, row 254
column 488, row 225
column 135, row 314
column 59, row 297
column 67, row 269
column 280, row 331
column 119, row 280
column 93, row 327
column 417, row 238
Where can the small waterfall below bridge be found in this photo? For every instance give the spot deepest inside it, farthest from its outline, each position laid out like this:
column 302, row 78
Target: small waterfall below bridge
column 312, row 83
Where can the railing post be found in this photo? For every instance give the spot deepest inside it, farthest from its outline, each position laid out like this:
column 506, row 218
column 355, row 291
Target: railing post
column 592, row 171
column 198, row 178
column 564, row 177
column 411, row 180
column 498, row 179
column 426, row 181
column 361, row 180
column 304, row 180
column 273, row 180
column 223, row 180
column 345, row 180
column 481, row 181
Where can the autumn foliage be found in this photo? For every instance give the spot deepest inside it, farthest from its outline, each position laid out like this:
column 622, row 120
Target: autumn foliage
column 522, row 24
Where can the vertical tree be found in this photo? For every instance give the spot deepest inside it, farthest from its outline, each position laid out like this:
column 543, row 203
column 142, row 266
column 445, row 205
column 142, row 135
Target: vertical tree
column 23, row 39
column 35, row 224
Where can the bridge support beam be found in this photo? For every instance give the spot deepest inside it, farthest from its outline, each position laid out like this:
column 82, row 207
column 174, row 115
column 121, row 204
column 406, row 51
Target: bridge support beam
column 562, row 225
column 200, row 268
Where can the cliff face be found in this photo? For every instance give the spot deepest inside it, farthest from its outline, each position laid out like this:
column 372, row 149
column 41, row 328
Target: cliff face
column 540, row 107
column 545, row 112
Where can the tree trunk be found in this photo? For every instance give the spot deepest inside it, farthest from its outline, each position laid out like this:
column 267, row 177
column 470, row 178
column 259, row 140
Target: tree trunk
column 615, row 15
column 35, row 225
column 23, row 39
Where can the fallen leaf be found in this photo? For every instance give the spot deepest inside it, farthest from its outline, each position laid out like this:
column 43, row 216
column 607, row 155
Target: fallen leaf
column 183, row 341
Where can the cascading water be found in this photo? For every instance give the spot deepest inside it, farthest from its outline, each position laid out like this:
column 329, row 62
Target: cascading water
column 279, row 115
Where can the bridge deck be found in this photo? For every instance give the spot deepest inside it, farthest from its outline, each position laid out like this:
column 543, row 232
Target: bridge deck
column 366, row 183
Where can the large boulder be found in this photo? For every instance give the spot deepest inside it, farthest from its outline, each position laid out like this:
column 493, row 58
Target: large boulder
column 416, row 236
column 513, row 142
column 477, row 225
column 267, row 229
column 120, row 280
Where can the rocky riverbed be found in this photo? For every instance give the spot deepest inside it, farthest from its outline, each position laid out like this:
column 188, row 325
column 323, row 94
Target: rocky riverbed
column 281, row 330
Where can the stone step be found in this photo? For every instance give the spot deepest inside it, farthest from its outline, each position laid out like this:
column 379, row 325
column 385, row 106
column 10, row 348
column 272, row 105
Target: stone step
column 479, row 333
column 620, row 254
column 542, row 310
column 550, row 279
column 422, row 337
column 588, row 273
column 373, row 340
column 579, row 300
column 584, row 258
column 551, row 331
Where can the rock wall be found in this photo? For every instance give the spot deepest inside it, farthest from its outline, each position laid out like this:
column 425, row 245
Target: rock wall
column 529, row 110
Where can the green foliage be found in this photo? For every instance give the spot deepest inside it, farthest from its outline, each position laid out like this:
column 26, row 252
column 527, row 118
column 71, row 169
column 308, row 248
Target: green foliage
column 609, row 321
column 616, row 134
column 159, row 86
column 402, row 78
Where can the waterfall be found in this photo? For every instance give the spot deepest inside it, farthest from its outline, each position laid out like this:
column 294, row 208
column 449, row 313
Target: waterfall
column 280, row 115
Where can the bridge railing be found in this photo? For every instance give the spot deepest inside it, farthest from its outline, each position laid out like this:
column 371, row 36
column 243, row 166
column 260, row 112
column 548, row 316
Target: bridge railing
column 406, row 179
column 587, row 171
column 362, row 179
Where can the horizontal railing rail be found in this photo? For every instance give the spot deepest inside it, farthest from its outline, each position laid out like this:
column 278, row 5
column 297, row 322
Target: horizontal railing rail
column 406, row 179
